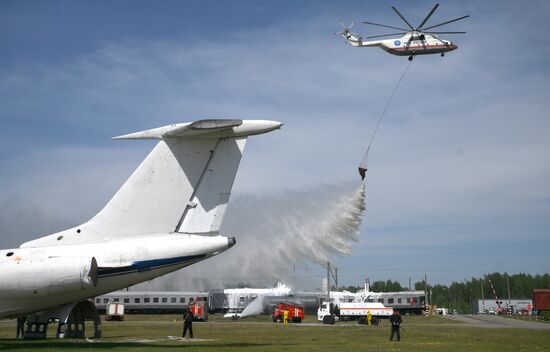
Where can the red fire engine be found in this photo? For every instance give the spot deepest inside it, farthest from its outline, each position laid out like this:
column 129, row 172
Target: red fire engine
column 295, row 313
column 199, row 308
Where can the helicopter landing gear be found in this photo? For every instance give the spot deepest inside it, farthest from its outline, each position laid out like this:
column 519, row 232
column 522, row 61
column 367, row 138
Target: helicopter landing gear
column 411, row 58
column 442, row 54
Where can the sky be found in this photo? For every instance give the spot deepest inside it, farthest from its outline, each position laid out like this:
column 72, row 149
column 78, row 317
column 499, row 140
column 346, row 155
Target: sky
column 459, row 173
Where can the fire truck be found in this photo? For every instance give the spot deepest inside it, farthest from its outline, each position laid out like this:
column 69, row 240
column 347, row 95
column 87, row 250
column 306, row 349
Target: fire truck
column 199, row 309
column 295, row 313
column 329, row 312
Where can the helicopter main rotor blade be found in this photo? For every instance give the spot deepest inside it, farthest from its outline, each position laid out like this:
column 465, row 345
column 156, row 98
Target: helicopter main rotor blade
column 445, row 32
column 386, row 35
column 383, row 25
column 441, row 24
column 427, row 17
column 403, row 18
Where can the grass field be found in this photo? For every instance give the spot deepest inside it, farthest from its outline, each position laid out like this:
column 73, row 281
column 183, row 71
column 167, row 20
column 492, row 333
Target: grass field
column 150, row 333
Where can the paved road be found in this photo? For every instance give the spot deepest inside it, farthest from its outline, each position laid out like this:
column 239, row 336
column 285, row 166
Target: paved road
column 494, row 321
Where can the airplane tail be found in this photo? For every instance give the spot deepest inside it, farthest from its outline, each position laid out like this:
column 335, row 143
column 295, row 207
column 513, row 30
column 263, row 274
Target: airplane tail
column 183, row 185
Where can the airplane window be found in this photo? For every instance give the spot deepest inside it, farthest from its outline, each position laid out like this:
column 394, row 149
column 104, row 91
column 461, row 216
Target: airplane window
column 60, row 238
column 9, row 254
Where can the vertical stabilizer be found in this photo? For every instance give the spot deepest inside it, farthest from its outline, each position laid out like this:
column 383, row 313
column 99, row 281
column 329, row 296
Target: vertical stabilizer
column 183, row 185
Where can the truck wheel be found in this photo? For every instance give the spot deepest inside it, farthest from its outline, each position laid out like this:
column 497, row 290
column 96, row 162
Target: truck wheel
column 296, row 320
column 362, row 321
column 328, row 320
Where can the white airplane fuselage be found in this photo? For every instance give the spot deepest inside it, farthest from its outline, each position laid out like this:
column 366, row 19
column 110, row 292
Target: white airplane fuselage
column 61, row 274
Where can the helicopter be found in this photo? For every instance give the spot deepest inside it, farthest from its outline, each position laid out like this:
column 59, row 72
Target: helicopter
column 414, row 41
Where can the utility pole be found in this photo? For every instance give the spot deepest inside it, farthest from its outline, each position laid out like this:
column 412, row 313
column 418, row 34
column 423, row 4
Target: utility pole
column 508, row 284
column 328, row 282
column 482, row 297
column 336, row 278
column 426, row 289
column 410, row 289
column 294, row 276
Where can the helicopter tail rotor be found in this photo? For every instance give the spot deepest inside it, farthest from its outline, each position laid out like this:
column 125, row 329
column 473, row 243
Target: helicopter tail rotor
column 348, row 35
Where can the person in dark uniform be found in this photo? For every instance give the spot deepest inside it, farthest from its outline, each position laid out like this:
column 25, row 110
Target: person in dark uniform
column 187, row 323
column 21, row 327
column 395, row 320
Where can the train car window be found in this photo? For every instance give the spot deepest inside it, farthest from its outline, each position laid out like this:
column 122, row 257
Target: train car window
column 164, row 299
column 136, row 300
column 172, row 299
column 409, row 300
column 146, row 300
column 399, row 300
column 390, row 300
column 380, row 300
column 155, row 300
column 191, row 299
column 115, row 299
column 105, row 300
column 126, row 300
column 182, row 299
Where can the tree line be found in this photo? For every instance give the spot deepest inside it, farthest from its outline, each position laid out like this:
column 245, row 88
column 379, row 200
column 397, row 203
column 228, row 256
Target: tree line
column 461, row 295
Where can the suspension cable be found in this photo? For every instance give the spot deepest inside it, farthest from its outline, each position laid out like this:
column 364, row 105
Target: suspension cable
column 363, row 165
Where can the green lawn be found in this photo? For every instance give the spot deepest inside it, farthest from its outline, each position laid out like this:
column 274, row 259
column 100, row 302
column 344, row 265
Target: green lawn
column 149, row 333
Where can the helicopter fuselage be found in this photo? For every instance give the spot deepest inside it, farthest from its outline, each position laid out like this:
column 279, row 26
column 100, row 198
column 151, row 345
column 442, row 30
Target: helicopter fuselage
column 417, row 46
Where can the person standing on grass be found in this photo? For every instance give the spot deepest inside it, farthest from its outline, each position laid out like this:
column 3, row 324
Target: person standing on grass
column 187, row 323
column 395, row 320
column 21, row 327
column 285, row 317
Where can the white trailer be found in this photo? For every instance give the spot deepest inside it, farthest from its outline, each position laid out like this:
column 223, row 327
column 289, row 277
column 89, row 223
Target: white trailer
column 114, row 311
column 328, row 313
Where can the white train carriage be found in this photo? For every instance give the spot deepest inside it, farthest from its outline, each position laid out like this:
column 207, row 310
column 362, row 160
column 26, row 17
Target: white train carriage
column 151, row 301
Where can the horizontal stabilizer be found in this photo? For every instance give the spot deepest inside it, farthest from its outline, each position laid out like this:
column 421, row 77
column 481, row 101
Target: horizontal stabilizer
column 210, row 128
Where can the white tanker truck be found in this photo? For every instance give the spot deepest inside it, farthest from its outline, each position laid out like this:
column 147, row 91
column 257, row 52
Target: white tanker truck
column 328, row 313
